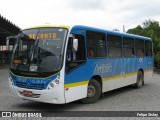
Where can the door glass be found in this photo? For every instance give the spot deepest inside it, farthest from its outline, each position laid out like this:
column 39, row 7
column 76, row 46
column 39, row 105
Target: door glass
column 75, row 58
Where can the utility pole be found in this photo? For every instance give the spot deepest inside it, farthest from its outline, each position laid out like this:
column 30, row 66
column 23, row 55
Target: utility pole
column 124, row 29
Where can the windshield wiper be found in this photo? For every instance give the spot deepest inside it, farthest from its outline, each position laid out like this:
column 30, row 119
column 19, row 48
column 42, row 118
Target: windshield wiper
column 34, row 47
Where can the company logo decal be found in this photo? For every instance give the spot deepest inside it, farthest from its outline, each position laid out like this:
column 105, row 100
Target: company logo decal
column 102, row 68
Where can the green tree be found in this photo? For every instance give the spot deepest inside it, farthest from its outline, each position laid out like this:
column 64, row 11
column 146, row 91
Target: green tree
column 150, row 28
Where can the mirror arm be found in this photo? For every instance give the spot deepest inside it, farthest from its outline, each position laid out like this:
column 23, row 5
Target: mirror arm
column 8, row 39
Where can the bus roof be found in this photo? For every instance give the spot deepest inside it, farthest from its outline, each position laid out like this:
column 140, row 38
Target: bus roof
column 109, row 32
column 90, row 28
column 48, row 25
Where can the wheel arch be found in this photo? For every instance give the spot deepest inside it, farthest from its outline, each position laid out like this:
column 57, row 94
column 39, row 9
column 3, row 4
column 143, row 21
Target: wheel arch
column 98, row 79
column 141, row 69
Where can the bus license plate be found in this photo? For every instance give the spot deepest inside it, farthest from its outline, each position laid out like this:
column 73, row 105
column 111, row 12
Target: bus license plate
column 27, row 93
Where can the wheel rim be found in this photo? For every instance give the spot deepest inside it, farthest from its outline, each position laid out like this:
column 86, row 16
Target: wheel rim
column 91, row 91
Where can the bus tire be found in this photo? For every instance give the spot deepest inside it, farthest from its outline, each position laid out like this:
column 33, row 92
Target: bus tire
column 140, row 80
column 93, row 92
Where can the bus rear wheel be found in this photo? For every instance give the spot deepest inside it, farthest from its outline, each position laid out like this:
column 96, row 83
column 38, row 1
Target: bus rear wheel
column 140, row 80
column 93, row 92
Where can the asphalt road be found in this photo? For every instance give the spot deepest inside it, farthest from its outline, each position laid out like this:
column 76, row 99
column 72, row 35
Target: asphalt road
column 146, row 98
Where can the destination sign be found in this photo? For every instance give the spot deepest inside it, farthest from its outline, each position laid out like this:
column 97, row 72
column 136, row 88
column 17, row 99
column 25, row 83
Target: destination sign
column 43, row 36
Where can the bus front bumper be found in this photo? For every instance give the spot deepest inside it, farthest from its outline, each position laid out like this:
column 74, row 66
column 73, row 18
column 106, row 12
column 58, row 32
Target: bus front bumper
column 55, row 96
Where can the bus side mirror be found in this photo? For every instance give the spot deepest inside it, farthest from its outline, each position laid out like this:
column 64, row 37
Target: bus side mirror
column 75, row 44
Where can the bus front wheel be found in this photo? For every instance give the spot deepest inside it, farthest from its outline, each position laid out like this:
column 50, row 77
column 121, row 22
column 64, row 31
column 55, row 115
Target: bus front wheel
column 140, row 80
column 93, row 92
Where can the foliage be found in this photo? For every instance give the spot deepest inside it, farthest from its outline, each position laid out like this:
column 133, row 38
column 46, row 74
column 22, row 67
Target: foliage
column 150, row 28
column 157, row 59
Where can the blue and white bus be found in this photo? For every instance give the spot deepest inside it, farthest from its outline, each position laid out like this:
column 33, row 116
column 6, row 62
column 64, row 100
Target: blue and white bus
column 58, row 64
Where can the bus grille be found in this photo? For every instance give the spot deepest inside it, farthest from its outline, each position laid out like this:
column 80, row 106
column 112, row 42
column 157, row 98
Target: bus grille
column 30, row 85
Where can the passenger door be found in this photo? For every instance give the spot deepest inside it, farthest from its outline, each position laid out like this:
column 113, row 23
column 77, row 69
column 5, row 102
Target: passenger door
column 75, row 70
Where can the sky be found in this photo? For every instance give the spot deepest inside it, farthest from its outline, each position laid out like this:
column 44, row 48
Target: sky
column 106, row 14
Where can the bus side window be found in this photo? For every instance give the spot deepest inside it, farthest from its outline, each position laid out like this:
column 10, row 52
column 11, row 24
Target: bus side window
column 114, row 46
column 133, row 52
column 148, row 48
column 96, row 44
column 90, row 53
column 128, row 47
column 139, row 44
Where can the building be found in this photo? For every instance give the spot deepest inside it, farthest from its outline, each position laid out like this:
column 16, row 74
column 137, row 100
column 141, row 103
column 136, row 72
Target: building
column 7, row 28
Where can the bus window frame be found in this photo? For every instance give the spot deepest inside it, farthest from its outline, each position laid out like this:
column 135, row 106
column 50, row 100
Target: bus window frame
column 129, row 47
column 75, row 61
column 151, row 48
column 139, row 39
column 120, row 36
column 96, row 46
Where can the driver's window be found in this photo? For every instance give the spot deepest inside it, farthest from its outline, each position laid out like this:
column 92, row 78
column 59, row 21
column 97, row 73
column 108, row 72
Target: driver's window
column 75, row 58
column 71, row 54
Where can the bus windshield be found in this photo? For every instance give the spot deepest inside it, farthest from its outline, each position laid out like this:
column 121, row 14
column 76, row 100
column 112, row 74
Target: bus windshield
column 38, row 52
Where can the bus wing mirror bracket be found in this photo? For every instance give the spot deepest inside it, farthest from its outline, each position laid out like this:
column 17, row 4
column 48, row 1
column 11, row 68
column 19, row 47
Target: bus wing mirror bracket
column 75, row 44
column 8, row 40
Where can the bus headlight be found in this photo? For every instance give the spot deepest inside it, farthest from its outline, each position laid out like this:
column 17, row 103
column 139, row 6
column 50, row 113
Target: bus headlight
column 53, row 84
column 57, row 81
